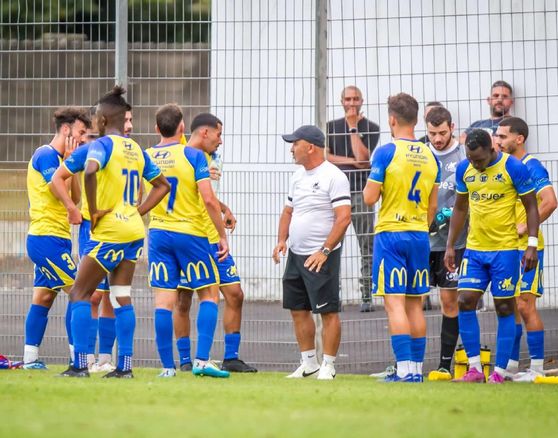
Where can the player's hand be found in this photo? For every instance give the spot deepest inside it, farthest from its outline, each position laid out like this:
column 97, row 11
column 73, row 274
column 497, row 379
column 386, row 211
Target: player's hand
column 449, row 260
column 315, row 261
column 223, row 249
column 74, row 216
column 521, row 229
column 96, row 217
column 530, row 258
column 353, row 117
column 214, row 173
column 280, row 248
column 70, row 145
column 229, row 220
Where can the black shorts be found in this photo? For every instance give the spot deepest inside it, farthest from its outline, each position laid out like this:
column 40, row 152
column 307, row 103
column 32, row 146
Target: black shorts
column 439, row 275
column 315, row 291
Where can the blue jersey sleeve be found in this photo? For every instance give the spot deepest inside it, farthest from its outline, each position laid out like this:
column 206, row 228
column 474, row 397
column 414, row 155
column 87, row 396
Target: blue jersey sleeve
column 539, row 174
column 100, row 151
column 520, row 176
column 76, row 162
column 150, row 170
column 380, row 161
column 45, row 161
column 198, row 161
column 461, row 187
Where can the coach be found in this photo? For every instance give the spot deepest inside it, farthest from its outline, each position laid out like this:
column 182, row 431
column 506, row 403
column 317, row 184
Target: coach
column 315, row 218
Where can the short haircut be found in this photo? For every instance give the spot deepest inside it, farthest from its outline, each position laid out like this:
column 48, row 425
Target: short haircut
column 502, row 83
column 115, row 98
column 404, row 108
column 168, row 117
column 517, row 126
column 204, row 119
column 438, row 115
column 69, row 115
column 478, row 138
column 351, row 87
column 433, row 103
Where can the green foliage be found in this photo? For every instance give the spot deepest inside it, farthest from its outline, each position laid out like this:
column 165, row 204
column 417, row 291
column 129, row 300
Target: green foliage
column 149, row 20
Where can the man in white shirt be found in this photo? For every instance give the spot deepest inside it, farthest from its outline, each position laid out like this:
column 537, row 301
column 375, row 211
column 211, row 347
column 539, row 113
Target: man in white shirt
column 315, row 219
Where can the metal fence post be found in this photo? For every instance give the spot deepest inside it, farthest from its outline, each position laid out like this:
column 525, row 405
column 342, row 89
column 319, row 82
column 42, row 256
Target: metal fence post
column 121, row 44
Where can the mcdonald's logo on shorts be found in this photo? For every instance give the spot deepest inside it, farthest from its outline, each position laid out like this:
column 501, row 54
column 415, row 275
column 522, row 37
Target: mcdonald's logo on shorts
column 197, row 268
column 401, row 276
column 155, row 271
column 114, row 255
column 421, row 278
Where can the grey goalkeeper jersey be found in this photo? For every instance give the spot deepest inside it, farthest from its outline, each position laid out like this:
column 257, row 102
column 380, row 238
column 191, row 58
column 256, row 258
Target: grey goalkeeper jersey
column 449, row 159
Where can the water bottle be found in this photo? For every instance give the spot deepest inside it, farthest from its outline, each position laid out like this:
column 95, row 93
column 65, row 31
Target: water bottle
column 216, row 163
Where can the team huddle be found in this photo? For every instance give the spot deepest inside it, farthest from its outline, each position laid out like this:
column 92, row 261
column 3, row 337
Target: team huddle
column 187, row 245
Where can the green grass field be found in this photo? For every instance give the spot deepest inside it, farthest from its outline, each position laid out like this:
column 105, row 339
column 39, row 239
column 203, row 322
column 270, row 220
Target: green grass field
column 35, row 403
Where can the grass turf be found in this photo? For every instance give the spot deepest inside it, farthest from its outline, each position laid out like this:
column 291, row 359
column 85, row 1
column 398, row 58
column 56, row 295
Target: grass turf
column 35, row 403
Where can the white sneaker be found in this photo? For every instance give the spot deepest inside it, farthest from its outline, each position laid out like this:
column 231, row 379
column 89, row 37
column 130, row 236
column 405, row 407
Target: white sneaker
column 304, row 371
column 389, row 371
column 106, row 367
column 327, row 372
column 528, row 376
column 167, row 372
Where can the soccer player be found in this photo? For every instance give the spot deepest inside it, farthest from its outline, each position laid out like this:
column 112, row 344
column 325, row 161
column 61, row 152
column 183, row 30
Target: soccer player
column 48, row 242
column 178, row 236
column 488, row 184
column 510, row 138
column 114, row 166
column 406, row 175
column 449, row 153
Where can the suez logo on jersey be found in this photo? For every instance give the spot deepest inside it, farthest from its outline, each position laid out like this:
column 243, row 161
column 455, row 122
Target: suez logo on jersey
column 476, row 196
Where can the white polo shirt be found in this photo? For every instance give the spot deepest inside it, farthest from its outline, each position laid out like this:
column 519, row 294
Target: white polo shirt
column 313, row 194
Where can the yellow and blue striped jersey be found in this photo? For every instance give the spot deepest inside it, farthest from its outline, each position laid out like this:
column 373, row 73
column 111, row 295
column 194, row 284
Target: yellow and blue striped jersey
column 407, row 171
column 76, row 163
column 492, row 201
column 541, row 180
column 181, row 210
column 48, row 215
column 122, row 164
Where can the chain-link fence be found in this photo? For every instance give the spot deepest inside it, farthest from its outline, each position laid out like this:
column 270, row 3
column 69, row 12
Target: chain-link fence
column 253, row 64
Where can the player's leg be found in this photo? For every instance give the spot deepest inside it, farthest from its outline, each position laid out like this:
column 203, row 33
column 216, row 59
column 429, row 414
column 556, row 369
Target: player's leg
column 513, row 364
column 93, row 328
column 181, row 322
column 296, row 300
column 35, row 326
column 165, row 301
column 362, row 219
column 417, row 326
column 107, row 330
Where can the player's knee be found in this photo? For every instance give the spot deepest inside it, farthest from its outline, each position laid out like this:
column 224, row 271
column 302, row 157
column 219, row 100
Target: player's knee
column 526, row 307
column 234, row 297
column 96, row 298
column 120, row 295
column 467, row 301
column 183, row 303
column 44, row 297
column 504, row 307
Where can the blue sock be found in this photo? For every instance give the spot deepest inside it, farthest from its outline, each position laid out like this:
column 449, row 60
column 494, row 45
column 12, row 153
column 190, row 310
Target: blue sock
column 504, row 340
column 232, row 344
column 206, row 323
column 35, row 324
column 535, row 341
column 163, row 336
column 418, row 347
column 93, row 329
column 69, row 323
column 125, row 327
column 183, row 345
column 469, row 331
column 107, row 334
column 401, row 345
column 81, row 320
column 517, row 342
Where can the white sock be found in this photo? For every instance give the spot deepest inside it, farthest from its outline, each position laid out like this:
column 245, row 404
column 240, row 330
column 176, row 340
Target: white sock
column 72, row 352
column 90, row 359
column 537, row 365
column 329, row 360
column 30, row 353
column 418, row 368
column 500, row 371
column 104, row 358
column 513, row 366
column 413, row 367
column 474, row 362
column 309, row 358
column 403, row 368
column 198, row 363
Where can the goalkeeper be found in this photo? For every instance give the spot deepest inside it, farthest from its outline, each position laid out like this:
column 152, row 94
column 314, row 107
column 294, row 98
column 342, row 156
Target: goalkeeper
column 449, row 152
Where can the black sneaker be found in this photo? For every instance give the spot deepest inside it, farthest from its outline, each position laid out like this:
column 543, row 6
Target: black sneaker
column 237, row 366
column 119, row 374
column 74, row 372
column 186, row 367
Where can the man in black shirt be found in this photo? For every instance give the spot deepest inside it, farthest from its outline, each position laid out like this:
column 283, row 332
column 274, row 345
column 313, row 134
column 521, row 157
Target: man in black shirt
column 350, row 141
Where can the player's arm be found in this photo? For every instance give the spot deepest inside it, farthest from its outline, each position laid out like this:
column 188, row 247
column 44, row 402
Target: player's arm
column 530, row 256
column 378, row 164
column 372, row 192
column 456, row 224
column 213, row 207
column 58, row 187
column 160, row 188
column 432, row 203
column 547, row 204
column 228, row 216
column 283, row 233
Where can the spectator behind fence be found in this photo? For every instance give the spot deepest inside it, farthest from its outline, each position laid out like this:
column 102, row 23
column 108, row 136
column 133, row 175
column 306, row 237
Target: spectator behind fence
column 427, row 108
column 500, row 102
column 350, row 140
column 315, row 218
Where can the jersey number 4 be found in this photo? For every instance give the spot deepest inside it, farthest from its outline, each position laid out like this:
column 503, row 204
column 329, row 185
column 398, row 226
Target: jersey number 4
column 414, row 193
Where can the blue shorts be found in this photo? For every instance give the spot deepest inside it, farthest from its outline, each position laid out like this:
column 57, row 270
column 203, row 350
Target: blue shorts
column 52, row 256
column 109, row 255
column 173, row 255
column 531, row 282
column 501, row 268
column 228, row 274
column 84, row 237
column 401, row 263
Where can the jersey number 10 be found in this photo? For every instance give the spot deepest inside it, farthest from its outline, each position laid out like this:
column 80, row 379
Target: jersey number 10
column 131, row 188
